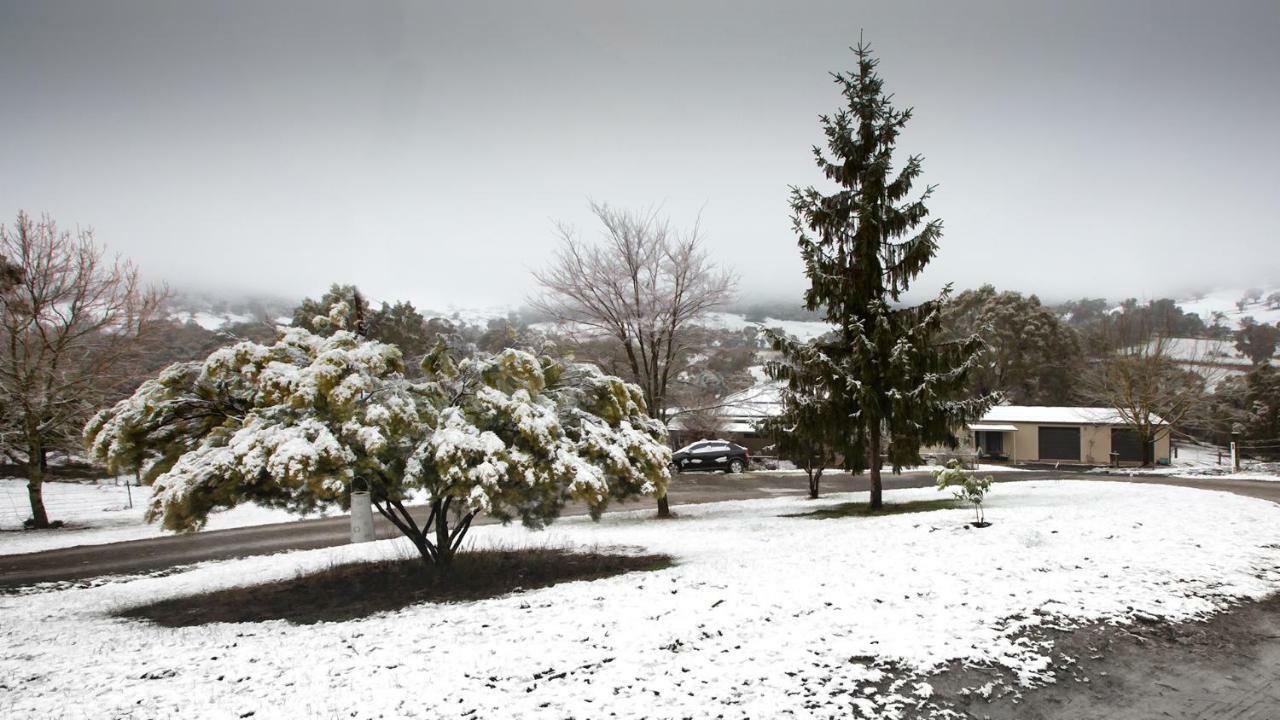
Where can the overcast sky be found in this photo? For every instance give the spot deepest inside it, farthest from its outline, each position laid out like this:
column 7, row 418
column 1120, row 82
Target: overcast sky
column 424, row 149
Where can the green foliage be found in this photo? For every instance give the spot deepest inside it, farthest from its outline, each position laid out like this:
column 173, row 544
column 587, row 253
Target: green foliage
column 804, row 431
column 1032, row 358
column 295, row 423
column 966, row 485
column 311, row 314
column 884, row 373
column 1247, row 408
column 1133, row 322
column 1084, row 311
column 1257, row 341
column 403, row 326
column 1260, row 418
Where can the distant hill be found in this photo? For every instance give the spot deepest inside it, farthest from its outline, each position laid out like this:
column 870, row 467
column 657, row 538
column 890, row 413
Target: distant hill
column 1233, row 307
column 213, row 312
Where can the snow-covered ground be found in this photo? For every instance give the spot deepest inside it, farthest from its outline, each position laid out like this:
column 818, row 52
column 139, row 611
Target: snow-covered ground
column 804, row 330
column 209, row 320
column 1259, row 471
column 762, row 616
column 99, row 513
column 1202, row 461
column 1224, row 301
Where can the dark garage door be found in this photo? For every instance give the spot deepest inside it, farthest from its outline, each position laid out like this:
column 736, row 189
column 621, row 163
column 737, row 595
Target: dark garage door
column 1125, row 442
column 1060, row 443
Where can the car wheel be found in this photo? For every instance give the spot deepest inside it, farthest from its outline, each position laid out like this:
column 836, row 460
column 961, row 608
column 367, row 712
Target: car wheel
column 736, row 466
column 675, row 468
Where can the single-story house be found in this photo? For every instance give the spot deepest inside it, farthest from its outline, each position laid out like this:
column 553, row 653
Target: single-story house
column 1084, row 435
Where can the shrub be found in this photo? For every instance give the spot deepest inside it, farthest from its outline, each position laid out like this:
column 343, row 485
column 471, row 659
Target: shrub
column 967, row 486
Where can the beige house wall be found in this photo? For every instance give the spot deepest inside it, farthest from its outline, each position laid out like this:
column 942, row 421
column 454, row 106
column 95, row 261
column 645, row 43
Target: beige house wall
column 1023, row 445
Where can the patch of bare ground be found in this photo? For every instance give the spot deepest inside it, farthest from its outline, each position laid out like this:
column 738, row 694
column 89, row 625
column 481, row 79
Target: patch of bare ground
column 862, row 509
column 1224, row 668
column 347, row 592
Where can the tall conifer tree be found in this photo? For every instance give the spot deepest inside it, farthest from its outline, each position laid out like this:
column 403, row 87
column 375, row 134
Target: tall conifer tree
column 889, row 385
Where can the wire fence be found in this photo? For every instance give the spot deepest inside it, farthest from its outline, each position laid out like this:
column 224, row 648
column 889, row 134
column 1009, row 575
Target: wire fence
column 61, row 500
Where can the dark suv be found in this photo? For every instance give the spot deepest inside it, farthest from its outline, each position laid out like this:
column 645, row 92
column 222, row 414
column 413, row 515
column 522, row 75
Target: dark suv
column 711, row 455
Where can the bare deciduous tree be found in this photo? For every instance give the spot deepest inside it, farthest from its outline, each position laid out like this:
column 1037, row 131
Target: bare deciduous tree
column 643, row 287
column 69, row 326
column 1149, row 377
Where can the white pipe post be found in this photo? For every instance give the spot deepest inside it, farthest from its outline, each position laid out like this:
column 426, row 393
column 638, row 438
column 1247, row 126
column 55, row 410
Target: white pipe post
column 361, row 517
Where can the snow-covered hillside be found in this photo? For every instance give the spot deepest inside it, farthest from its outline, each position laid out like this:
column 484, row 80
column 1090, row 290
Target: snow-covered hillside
column 800, row 329
column 1225, row 302
column 214, row 313
column 735, row 322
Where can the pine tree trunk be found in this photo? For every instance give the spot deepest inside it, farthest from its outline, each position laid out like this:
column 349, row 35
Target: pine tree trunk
column 877, row 489
column 35, row 485
column 664, row 507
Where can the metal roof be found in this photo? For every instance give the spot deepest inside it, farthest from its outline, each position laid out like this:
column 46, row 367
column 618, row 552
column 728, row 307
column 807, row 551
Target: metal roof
column 1058, row 415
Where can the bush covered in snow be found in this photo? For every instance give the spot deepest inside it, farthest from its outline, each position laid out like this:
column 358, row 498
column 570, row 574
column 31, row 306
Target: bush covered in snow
column 294, row 424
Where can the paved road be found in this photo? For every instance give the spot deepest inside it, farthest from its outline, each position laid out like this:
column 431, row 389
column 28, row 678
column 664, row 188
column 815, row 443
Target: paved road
column 77, row 563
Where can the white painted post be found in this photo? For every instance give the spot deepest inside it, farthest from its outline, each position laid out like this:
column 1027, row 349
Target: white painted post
column 361, row 517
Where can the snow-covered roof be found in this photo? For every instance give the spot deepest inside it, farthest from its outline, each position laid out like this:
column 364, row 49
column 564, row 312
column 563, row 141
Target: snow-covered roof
column 1057, row 415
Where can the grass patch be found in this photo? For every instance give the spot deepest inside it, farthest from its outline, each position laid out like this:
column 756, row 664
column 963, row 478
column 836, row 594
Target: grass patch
column 347, row 592
column 853, row 509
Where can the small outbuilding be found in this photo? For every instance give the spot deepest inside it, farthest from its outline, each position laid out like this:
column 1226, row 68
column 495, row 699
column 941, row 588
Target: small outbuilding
column 1079, row 435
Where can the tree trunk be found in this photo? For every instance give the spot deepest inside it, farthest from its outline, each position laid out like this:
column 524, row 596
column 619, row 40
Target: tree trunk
column 815, row 476
column 35, row 485
column 444, row 551
column 664, row 507
column 877, row 489
column 1148, row 449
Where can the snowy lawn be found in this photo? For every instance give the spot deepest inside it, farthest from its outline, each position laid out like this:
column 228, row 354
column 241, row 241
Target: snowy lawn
column 98, row 513
column 1253, row 471
column 763, row 616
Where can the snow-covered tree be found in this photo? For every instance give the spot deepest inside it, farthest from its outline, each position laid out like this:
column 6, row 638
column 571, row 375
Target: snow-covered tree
column 890, row 383
column 1257, row 341
column 1032, row 357
column 803, row 432
column 298, row 423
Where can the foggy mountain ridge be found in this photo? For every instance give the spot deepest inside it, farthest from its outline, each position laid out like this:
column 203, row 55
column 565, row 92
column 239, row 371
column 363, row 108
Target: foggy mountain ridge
column 212, row 310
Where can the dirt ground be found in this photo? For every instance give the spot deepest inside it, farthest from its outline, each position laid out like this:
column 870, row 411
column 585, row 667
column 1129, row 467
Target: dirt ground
column 346, row 592
column 1227, row 668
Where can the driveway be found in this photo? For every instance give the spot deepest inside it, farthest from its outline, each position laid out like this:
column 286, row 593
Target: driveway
column 141, row 556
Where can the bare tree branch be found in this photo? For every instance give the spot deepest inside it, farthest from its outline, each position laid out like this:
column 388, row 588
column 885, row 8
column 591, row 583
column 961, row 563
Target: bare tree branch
column 70, row 329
